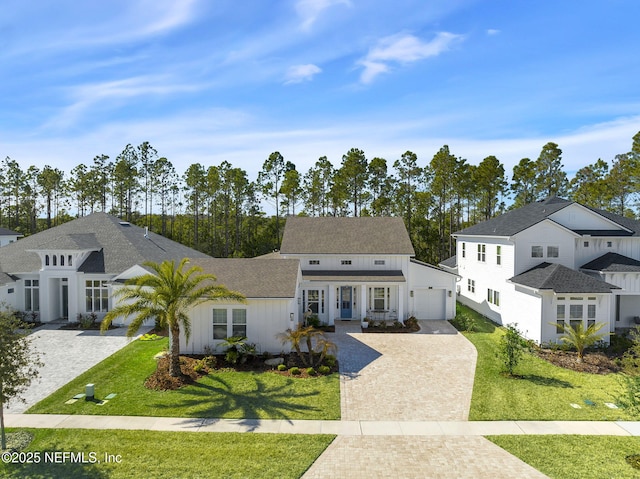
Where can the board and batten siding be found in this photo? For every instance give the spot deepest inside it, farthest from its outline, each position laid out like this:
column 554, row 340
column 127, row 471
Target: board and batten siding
column 265, row 319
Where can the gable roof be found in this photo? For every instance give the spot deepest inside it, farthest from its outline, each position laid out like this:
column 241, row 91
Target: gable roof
column 559, row 278
column 8, row 232
column 451, row 262
column 116, row 246
column 517, row 220
column 254, row 277
column 613, row 262
column 346, row 235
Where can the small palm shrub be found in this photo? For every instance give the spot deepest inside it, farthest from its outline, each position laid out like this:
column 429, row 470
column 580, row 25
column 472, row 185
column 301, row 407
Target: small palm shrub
column 295, row 371
column 311, row 371
column 581, row 338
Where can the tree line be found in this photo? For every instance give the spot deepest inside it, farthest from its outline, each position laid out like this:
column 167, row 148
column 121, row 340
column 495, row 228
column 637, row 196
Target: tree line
column 217, row 209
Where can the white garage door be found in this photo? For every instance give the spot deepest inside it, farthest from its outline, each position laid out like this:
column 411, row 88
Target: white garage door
column 430, row 304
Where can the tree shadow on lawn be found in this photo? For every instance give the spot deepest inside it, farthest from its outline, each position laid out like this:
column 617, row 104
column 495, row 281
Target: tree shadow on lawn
column 544, row 381
column 214, row 401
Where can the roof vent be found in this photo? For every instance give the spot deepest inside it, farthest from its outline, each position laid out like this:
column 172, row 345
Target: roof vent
column 125, row 223
column 146, row 232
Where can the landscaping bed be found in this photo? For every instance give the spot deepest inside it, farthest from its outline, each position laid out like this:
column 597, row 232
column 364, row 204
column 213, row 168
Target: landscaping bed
column 410, row 326
column 593, row 362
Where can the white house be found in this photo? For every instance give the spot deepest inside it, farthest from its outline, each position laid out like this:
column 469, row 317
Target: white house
column 551, row 262
column 8, row 236
column 338, row 268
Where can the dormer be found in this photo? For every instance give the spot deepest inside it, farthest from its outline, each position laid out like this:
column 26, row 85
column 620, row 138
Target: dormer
column 67, row 252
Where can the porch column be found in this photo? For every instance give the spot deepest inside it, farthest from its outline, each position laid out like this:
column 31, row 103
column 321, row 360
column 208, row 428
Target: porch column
column 401, row 301
column 363, row 301
column 331, row 304
column 75, row 288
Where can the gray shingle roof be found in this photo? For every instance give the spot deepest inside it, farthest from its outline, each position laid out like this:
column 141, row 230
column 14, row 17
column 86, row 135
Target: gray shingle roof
column 121, row 246
column 254, row 277
column 613, row 262
column 451, row 262
column 369, row 276
column 8, row 232
column 517, row 220
column 339, row 235
column 559, row 278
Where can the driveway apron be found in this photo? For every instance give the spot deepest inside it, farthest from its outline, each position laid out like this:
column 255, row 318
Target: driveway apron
column 66, row 354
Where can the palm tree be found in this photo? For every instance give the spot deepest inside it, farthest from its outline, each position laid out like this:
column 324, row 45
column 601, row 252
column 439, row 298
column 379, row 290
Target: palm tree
column 581, row 338
column 167, row 294
column 295, row 337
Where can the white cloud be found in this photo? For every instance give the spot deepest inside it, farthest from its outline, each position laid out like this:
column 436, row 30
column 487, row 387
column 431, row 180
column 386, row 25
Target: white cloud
column 300, row 73
column 492, row 31
column 310, row 10
column 403, row 49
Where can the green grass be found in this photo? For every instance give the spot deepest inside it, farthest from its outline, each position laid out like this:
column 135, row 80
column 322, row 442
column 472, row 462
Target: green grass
column 231, row 395
column 541, row 391
column 160, row 455
column 574, row 457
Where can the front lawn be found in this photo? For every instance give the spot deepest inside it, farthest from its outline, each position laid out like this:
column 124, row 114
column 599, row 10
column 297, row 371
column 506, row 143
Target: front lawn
column 145, row 454
column 231, row 395
column 541, row 391
column 574, row 457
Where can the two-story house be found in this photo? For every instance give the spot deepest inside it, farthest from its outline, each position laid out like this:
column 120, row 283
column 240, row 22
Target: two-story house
column 549, row 263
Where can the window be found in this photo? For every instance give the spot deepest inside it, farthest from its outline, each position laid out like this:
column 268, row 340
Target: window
column 379, row 262
column 378, row 299
column 219, row 324
column 482, row 249
column 537, row 252
column 560, row 311
column 10, row 291
column 471, row 285
column 97, row 296
column 464, row 250
column 314, row 261
column 31, row 295
column 345, row 262
column 498, row 254
column 239, row 322
column 575, row 311
column 496, row 298
column 591, row 298
column 552, row 251
column 55, row 260
column 585, row 244
column 560, row 326
column 490, row 295
column 61, row 260
column 561, row 298
column 591, row 314
column 314, row 301
column 46, row 260
column 576, row 298
column 70, row 263
column 609, row 244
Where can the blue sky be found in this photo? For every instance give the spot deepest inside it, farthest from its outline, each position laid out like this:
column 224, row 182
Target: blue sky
column 207, row 81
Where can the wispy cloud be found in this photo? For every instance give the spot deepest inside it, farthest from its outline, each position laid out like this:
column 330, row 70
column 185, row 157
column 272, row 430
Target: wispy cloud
column 310, row 10
column 492, row 31
column 403, row 49
column 300, row 73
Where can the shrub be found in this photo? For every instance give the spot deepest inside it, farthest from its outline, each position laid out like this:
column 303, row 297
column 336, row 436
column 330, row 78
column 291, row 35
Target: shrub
column 630, row 398
column 200, row 366
column 330, row 360
column 86, row 321
column 512, row 347
column 295, row 371
column 313, row 320
column 411, row 322
column 282, row 367
column 210, row 361
column 311, row 371
column 324, row 370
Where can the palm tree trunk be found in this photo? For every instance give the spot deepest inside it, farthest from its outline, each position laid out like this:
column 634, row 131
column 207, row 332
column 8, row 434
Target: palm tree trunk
column 174, row 364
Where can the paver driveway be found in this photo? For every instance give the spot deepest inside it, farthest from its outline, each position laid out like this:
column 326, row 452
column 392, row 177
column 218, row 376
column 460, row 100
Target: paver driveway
column 405, row 377
column 66, row 355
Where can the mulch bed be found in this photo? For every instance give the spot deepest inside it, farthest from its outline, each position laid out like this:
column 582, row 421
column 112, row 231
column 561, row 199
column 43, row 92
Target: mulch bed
column 161, row 380
column 594, row 362
column 410, row 328
column 76, row 326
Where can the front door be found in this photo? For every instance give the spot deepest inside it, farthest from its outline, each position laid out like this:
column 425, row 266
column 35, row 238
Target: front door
column 346, row 294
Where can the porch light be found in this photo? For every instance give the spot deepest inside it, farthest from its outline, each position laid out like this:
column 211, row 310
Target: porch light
column 411, row 293
column 449, row 293
column 291, row 317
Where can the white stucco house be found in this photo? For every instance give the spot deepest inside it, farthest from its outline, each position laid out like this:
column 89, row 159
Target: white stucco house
column 338, row 268
column 551, row 262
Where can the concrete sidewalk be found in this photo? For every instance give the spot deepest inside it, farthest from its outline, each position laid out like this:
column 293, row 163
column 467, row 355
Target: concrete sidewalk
column 342, row 428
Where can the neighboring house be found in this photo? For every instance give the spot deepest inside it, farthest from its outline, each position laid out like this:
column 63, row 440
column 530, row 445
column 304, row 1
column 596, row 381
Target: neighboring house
column 358, row 267
column 337, row 268
column 8, row 236
column 548, row 263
